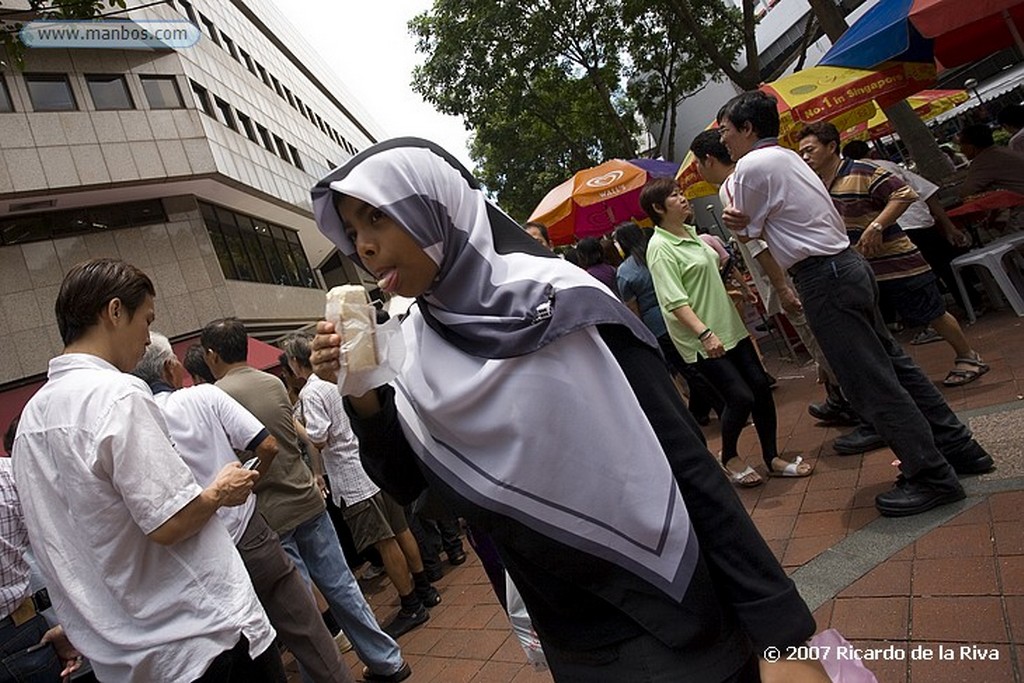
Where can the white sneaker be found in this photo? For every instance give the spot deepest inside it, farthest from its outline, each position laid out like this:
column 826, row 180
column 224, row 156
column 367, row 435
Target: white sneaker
column 344, row 645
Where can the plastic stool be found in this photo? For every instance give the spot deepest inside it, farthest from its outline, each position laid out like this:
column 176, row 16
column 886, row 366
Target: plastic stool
column 991, row 258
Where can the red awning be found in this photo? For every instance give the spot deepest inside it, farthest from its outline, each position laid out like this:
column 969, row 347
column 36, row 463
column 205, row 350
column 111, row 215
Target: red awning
column 262, row 356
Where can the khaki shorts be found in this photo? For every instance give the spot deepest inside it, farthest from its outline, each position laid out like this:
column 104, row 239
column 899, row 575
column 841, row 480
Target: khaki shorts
column 374, row 519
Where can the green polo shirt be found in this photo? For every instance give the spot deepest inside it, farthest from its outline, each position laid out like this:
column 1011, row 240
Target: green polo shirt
column 685, row 273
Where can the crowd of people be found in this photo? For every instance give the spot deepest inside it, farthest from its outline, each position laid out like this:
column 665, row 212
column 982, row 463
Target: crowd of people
column 182, row 532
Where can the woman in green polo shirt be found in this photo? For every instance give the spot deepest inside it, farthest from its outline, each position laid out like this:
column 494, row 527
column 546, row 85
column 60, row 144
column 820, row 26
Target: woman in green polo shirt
column 707, row 330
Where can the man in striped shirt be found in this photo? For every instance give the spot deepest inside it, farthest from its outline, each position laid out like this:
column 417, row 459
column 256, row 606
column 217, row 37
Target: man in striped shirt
column 870, row 200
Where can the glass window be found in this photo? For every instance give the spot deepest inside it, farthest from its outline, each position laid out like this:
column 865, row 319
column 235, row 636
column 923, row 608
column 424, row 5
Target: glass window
column 189, row 12
column 50, row 92
column 5, row 96
column 210, row 29
column 53, row 224
column 236, row 247
column 294, row 154
column 282, row 151
column 250, row 130
column 288, row 95
column 25, row 229
column 248, row 61
column 203, row 98
column 227, row 117
column 230, row 45
column 263, row 74
column 162, row 92
column 109, row 92
column 277, row 87
column 265, row 137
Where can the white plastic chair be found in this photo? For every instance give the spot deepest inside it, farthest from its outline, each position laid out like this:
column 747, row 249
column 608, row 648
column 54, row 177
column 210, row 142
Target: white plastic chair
column 991, row 257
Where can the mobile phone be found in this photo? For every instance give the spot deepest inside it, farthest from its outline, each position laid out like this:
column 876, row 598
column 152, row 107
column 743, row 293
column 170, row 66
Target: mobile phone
column 251, row 463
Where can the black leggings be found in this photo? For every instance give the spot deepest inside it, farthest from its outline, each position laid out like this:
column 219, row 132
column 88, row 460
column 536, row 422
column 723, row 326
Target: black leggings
column 742, row 381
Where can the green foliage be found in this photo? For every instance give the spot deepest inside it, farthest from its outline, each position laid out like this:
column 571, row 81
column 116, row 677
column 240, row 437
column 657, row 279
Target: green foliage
column 11, row 22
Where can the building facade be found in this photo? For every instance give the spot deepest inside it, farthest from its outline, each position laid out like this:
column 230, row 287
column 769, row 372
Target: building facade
column 194, row 164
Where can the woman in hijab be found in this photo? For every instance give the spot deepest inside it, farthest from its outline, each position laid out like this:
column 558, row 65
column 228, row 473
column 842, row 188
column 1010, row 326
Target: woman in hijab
column 539, row 408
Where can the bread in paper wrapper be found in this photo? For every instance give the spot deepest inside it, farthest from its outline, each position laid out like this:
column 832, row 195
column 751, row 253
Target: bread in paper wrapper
column 355, row 319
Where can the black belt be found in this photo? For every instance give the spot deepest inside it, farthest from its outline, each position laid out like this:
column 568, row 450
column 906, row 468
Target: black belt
column 813, row 260
column 29, row 607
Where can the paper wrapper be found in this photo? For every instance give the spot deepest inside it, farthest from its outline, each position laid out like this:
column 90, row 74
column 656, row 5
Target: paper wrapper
column 356, row 324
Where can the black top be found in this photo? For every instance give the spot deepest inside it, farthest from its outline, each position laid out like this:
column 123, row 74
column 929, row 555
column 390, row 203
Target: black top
column 739, row 601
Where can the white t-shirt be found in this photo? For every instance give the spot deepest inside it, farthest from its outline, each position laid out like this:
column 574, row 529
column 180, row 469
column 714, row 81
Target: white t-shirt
column 788, row 206
column 917, row 215
column 207, row 426
column 96, row 473
column 323, row 414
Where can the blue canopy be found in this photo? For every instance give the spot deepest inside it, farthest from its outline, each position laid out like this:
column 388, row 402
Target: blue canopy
column 657, row 168
column 883, row 34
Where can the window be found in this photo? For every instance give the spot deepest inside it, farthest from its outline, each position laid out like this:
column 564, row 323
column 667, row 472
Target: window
column 282, row 151
column 230, row 45
column 5, row 96
column 50, row 92
column 250, row 130
column 189, row 12
column 254, row 250
column 265, row 137
column 288, row 95
column 263, row 74
column 227, row 117
column 162, row 92
column 210, row 29
column 56, row 224
column 203, row 98
column 294, row 154
column 277, row 87
column 248, row 61
column 109, row 92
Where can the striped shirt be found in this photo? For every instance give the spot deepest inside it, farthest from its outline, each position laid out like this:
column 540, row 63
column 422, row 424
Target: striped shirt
column 860, row 192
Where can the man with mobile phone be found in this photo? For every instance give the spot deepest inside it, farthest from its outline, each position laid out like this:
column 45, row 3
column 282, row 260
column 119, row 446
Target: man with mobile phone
column 208, row 427
column 146, row 583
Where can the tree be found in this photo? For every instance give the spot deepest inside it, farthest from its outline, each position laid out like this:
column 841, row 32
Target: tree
column 11, row 21
column 704, row 21
column 665, row 69
column 539, row 85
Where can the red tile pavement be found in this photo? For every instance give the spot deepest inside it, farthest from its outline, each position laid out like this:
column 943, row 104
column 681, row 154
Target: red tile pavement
column 959, row 586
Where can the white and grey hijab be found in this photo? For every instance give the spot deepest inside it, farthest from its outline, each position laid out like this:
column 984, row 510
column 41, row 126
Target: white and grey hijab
column 508, row 393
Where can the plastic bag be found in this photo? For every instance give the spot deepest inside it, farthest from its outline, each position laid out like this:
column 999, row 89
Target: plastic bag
column 523, row 627
column 390, row 346
column 845, row 669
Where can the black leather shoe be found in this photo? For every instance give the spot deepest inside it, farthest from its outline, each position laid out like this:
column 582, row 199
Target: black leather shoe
column 831, row 412
column 860, row 440
column 399, row 675
column 457, row 557
column 429, row 596
column 912, row 498
column 403, row 622
column 971, row 459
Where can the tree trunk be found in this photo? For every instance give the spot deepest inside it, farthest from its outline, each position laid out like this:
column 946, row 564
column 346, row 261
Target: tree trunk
column 829, row 17
column 931, row 162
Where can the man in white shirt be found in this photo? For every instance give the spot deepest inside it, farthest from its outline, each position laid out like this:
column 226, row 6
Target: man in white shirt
column 144, row 579
column 778, row 198
column 373, row 517
column 208, row 427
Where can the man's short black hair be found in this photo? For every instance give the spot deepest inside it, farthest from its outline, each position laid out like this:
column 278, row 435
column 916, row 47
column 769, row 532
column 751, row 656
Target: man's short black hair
column 823, row 130
column 1012, row 115
column 228, row 338
column 91, row 285
column 856, row 150
column 195, row 363
column 979, row 135
column 759, row 109
column 709, row 144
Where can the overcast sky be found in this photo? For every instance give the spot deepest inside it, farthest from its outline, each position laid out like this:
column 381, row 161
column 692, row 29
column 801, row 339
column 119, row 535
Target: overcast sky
column 370, row 49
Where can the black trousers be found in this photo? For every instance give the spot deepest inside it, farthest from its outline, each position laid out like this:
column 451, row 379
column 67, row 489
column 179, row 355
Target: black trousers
column 235, row 666
column 743, row 384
